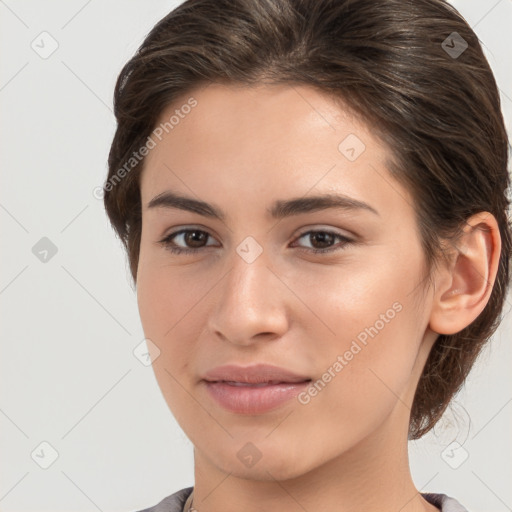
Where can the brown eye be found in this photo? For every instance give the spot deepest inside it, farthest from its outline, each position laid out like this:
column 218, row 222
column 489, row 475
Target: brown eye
column 322, row 241
column 192, row 239
column 195, row 238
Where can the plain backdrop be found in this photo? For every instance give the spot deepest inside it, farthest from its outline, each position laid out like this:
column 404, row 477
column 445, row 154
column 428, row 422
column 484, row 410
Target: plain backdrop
column 84, row 426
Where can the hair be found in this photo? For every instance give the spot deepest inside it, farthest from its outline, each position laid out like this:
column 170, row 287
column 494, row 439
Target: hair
column 388, row 62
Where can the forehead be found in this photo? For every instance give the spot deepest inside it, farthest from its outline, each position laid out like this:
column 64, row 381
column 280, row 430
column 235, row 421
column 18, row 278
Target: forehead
column 260, row 114
column 249, row 142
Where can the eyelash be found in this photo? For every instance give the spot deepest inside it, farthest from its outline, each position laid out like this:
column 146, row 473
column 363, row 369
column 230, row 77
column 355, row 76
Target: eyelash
column 169, row 245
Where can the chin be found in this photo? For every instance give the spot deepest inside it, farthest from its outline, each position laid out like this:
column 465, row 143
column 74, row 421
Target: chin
column 261, row 461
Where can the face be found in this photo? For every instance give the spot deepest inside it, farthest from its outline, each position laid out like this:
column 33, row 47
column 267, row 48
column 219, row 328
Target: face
column 331, row 292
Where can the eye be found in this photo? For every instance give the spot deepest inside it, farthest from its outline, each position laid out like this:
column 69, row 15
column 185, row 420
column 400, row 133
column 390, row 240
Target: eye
column 194, row 237
column 325, row 239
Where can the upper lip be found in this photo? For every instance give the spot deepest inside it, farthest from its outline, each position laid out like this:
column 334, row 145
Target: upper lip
column 254, row 374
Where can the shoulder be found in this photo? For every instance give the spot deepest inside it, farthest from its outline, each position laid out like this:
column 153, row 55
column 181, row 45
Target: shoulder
column 444, row 503
column 173, row 503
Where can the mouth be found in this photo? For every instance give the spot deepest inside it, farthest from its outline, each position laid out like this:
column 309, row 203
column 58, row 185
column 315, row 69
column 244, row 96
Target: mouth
column 253, row 390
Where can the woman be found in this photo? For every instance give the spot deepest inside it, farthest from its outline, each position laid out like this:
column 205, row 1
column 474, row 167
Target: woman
column 312, row 195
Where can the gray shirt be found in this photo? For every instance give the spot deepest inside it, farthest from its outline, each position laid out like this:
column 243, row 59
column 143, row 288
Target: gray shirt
column 175, row 502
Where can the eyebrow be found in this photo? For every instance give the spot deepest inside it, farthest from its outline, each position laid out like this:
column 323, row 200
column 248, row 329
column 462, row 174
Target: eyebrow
column 279, row 210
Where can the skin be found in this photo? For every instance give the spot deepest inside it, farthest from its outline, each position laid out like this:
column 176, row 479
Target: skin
column 241, row 149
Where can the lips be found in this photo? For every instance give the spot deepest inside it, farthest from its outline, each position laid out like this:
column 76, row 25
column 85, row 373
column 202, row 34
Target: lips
column 253, row 389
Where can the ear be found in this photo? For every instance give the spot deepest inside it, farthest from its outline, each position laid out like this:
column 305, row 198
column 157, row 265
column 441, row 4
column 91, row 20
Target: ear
column 463, row 287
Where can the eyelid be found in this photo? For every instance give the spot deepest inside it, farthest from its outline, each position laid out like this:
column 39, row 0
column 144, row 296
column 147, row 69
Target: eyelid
column 186, row 227
column 327, row 229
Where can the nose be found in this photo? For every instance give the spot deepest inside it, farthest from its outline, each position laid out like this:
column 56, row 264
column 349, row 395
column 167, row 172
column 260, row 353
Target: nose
column 251, row 303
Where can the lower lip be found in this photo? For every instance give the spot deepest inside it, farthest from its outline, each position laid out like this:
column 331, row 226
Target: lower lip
column 252, row 399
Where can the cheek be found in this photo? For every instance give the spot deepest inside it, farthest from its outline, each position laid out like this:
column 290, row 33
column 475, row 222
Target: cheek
column 366, row 334
column 171, row 307
column 165, row 308
column 344, row 302
column 154, row 308
column 167, row 297
column 161, row 306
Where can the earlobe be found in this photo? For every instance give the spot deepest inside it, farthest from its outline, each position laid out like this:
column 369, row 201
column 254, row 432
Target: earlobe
column 464, row 286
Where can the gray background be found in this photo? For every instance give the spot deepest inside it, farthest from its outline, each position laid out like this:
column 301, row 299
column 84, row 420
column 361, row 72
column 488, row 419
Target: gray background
column 70, row 324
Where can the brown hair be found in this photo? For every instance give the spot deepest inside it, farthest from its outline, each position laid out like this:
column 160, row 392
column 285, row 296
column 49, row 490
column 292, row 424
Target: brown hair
column 393, row 64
